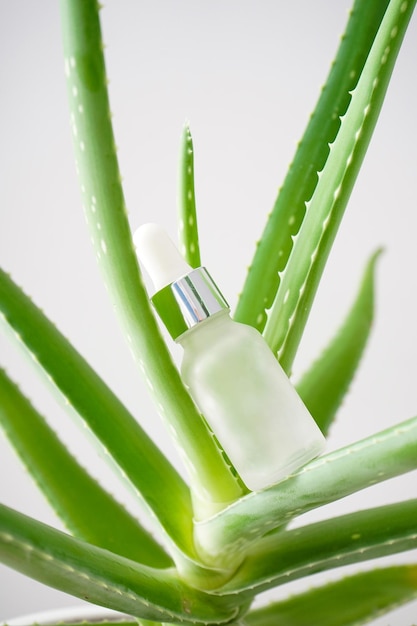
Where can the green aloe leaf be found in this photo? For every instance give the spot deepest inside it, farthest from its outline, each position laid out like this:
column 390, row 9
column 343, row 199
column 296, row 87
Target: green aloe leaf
column 104, row 622
column 325, row 384
column 290, row 310
column 274, row 248
column 367, row 462
column 211, row 478
column 348, row 602
column 103, row 578
column 87, row 510
column 352, row 538
column 188, row 228
column 154, row 479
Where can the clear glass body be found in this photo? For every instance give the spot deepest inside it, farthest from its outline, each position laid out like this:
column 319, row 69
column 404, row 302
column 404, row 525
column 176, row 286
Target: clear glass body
column 248, row 401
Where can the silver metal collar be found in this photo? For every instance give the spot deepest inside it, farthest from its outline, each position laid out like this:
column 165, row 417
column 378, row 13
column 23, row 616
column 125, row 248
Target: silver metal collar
column 188, row 301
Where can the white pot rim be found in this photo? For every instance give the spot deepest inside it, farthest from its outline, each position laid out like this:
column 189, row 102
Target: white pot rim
column 71, row 615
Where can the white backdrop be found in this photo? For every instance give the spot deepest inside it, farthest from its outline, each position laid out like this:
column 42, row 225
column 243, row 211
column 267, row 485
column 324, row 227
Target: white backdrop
column 246, row 74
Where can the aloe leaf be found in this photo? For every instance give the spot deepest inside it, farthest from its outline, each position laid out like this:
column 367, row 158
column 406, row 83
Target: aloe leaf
column 384, row 455
column 211, row 478
column 348, row 602
column 111, row 621
column 137, row 459
column 87, row 510
column 103, row 622
column 154, row 479
column 325, row 384
column 101, row 577
column 290, row 310
column 188, row 229
column 119, row 622
column 335, row 542
column 274, row 248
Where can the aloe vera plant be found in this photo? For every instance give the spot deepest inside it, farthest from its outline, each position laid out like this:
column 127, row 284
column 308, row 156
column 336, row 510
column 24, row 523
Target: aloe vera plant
column 214, row 547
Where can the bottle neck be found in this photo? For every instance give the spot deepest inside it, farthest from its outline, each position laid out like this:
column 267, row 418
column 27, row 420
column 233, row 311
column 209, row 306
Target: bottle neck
column 188, row 302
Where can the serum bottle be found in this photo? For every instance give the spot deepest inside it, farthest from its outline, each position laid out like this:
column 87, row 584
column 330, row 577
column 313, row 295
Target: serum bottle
column 231, row 373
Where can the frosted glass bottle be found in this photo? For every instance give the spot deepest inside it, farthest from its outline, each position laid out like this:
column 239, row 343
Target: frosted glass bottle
column 231, row 373
column 248, row 401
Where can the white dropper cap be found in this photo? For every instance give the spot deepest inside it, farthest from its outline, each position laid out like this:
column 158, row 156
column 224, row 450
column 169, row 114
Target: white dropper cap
column 159, row 255
column 184, row 296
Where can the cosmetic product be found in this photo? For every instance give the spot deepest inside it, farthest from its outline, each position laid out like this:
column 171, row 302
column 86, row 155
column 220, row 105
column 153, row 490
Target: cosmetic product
column 231, row 373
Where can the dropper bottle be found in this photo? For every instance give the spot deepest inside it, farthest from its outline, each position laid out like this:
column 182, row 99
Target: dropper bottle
column 230, row 371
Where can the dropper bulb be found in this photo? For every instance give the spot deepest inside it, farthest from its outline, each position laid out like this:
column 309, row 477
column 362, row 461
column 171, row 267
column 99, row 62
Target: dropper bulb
column 159, row 255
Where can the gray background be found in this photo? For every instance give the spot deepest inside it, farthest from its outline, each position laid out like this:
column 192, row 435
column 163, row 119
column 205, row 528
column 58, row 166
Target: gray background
column 246, row 74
